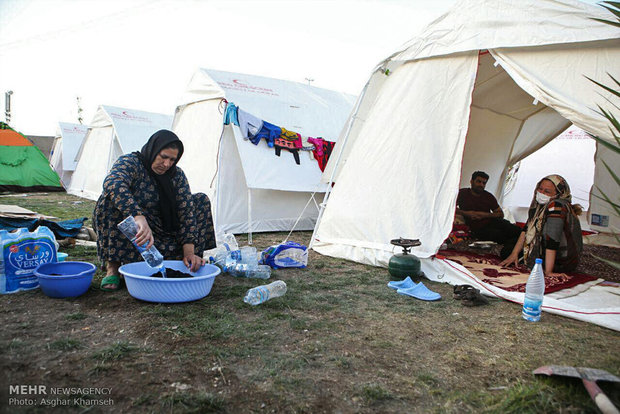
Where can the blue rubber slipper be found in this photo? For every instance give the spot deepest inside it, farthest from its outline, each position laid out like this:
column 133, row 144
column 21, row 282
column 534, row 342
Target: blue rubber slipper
column 403, row 284
column 421, row 292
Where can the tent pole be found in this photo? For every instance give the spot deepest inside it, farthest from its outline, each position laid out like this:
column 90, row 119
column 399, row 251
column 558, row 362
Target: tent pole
column 249, row 216
column 300, row 215
column 333, row 174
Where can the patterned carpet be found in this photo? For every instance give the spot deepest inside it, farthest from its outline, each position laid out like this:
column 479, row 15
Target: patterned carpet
column 486, row 268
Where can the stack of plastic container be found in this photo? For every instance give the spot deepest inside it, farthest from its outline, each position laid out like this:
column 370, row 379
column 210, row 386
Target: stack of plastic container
column 237, row 261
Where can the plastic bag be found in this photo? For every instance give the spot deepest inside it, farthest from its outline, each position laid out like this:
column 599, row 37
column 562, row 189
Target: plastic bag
column 21, row 252
column 289, row 254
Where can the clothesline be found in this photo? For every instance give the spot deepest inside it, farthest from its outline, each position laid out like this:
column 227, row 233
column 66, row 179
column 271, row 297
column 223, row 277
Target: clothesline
column 254, row 129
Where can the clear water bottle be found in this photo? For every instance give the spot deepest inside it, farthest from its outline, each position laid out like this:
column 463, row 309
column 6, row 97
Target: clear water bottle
column 263, row 293
column 245, row 254
column 229, row 241
column 238, row 269
column 534, row 293
column 259, row 272
column 151, row 256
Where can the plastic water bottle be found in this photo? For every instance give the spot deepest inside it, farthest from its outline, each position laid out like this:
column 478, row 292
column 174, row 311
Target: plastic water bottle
column 534, row 293
column 229, row 241
column 259, row 272
column 263, row 293
column 151, row 256
column 252, row 271
column 238, row 269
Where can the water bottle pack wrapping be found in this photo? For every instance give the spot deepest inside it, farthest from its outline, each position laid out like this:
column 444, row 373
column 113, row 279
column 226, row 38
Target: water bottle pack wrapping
column 289, row 254
column 21, row 252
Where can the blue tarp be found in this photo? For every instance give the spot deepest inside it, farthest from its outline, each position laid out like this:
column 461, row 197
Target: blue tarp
column 61, row 229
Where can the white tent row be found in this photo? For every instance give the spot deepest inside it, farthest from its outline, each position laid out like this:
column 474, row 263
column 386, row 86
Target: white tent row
column 67, row 143
column 113, row 132
column 570, row 155
column 252, row 189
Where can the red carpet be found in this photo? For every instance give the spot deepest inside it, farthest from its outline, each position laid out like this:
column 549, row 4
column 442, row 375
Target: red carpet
column 486, row 268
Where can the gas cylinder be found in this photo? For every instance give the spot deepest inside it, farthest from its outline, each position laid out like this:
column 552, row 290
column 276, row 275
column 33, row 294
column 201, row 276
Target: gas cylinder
column 404, row 264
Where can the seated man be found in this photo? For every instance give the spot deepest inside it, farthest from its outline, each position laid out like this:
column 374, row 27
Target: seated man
column 483, row 214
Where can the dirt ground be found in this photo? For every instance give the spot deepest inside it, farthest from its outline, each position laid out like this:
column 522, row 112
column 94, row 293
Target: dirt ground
column 339, row 341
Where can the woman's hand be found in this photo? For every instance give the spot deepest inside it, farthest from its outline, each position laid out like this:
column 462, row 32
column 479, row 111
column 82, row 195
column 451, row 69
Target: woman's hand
column 144, row 235
column 553, row 274
column 192, row 261
column 513, row 259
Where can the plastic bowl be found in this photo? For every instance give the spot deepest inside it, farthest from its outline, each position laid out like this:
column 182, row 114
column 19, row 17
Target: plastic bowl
column 61, row 256
column 142, row 286
column 65, row 279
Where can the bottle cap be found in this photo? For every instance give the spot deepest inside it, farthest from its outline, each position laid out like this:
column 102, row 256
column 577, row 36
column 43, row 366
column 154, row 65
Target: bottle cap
column 539, row 261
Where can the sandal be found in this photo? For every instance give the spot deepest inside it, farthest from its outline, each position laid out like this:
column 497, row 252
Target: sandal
column 473, row 298
column 461, row 290
column 110, row 280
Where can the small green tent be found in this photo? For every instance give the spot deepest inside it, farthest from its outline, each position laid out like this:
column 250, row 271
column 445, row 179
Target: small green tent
column 23, row 167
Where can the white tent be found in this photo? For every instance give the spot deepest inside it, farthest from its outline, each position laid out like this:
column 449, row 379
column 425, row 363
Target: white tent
column 250, row 188
column 112, row 133
column 67, row 142
column 570, row 155
column 482, row 87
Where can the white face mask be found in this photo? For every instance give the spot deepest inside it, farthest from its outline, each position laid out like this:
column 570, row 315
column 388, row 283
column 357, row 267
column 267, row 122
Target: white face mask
column 542, row 198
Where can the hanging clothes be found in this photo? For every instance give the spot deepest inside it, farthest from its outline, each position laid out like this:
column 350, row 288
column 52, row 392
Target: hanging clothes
column 230, row 115
column 268, row 131
column 325, row 150
column 291, row 136
column 248, row 124
column 307, row 147
column 281, row 143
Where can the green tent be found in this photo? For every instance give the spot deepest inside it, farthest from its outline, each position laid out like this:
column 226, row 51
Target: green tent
column 23, row 167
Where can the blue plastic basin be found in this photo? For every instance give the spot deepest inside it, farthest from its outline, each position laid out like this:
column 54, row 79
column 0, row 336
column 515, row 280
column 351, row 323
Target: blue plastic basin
column 65, row 279
column 142, row 286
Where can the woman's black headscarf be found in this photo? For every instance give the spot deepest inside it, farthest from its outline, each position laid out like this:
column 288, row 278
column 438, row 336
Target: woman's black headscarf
column 158, row 141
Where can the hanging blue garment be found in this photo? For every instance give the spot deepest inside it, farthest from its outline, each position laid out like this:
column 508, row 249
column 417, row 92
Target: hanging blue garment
column 248, row 124
column 231, row 114
column 269, row 131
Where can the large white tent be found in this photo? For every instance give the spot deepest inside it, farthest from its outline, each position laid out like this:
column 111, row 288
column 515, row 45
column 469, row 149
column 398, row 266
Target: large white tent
column 480, row 88
column 113, row 132
column 67, row 143
column 570, row 155
column 252, row 189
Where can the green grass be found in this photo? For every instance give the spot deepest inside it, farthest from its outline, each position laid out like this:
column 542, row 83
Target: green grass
column 65, row 344
column 118, row 350
column 338, row 341
column 77, row 316
column 374, row 393
column 192, row 403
